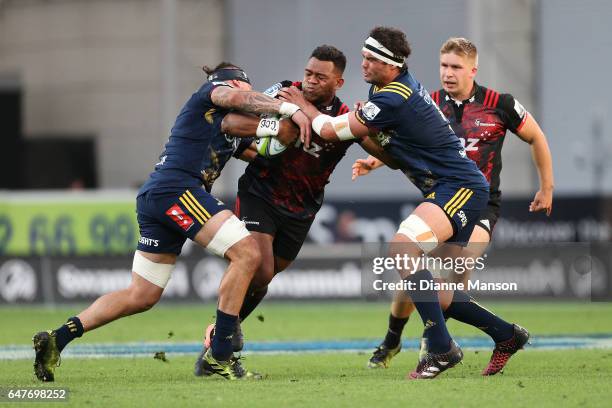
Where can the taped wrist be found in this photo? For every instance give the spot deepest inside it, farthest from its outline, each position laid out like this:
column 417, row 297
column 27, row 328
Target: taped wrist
column 267, row 127
column 288, row 109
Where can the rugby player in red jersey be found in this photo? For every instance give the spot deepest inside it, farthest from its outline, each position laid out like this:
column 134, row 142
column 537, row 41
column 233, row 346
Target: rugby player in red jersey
column 278, row 197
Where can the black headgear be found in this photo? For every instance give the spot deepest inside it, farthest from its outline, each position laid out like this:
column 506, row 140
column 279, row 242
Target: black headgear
column 226, row 74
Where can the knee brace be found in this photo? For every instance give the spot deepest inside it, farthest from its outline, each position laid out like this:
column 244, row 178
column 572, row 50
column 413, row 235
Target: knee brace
column 156, row 273
column 419, row 232
column 232, row 231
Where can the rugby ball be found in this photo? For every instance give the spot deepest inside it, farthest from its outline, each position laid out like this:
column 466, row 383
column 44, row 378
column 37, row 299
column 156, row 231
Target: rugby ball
column 269, row 146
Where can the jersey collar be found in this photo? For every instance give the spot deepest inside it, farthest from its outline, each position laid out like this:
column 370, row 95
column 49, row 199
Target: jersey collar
column 475, row 91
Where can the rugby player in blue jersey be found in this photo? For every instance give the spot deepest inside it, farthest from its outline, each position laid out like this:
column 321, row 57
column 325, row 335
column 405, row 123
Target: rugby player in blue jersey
column 481, row 118
column 403, row 119
column 175, row 204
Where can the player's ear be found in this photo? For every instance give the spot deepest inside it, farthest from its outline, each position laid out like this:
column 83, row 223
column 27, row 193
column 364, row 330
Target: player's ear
column 240, row 85
column 339, row 83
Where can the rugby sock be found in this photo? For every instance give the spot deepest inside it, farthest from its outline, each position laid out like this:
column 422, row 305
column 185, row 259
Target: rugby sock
column 222, row 340
column 69, row 331
column 394, row 333
column 465, row 309
column 428, row 305
column 251, row 300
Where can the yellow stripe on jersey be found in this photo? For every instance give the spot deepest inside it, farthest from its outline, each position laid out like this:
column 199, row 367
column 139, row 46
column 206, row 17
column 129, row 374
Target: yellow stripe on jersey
column 402, row 89
column 376, row 89
column 191, row 210
column 453, row 200
column 197, row 203
column 401, row 86
column 398, row 87
column 394, row 91
column 359, row 118
column 462, row 203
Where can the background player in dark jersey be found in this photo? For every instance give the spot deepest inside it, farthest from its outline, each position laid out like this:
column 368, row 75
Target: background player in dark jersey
column 480, row 117
column 173, row 205
column 403, row 119
column 279, row 197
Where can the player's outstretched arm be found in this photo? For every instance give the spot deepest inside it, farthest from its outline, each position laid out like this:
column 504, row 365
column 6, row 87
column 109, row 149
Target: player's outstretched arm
column 258, row 103
column 343, row 127
column 375, row 149
column 362, row 167
column 540, row 152
column 247, row 125
column 378, row 158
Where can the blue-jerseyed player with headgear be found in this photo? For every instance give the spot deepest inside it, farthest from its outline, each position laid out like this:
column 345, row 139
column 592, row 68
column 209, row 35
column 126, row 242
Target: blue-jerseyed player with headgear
column 402, row 118
column 175, row 204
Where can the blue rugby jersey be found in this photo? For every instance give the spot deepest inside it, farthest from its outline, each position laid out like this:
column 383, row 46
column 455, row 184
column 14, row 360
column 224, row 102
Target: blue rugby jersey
column 196, row 150
column 413, row 130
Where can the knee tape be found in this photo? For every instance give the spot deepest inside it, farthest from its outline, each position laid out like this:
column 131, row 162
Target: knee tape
column 156, row 273
column 419, row 232
column 232, row 231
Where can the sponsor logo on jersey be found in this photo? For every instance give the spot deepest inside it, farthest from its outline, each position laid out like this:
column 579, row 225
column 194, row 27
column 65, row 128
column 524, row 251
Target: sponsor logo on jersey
column 477, row 122
column 149, row 241
column 313, row 149
column 462, row 153
column 244, row 219
column 383, row 138
column 178, row 215
column 273, row 90
column 463, row 218
column 431, row 196
column 370, row 110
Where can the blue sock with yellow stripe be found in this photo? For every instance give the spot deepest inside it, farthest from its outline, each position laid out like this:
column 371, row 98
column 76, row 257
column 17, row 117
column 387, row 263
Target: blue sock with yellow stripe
column 69, row 331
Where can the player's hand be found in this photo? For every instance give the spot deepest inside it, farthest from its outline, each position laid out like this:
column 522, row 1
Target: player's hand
column 288, row 132
column 542, row 202
column 361, row 167
column 358, row 105
column 302, row 121
column 293, row 95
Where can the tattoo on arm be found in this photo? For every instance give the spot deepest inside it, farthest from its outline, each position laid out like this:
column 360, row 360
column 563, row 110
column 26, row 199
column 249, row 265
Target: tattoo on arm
column 247, row 101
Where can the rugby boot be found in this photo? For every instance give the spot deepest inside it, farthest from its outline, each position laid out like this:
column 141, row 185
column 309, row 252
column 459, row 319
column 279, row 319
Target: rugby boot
column 381, row 357
column 47, row 355
column 432, row 365
column 506, row 349
column 207, row 365
column 237, row 346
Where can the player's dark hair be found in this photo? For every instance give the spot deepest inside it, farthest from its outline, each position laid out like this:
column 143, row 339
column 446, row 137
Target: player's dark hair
column 222, row 65
column 393, row 39
column 330, row 53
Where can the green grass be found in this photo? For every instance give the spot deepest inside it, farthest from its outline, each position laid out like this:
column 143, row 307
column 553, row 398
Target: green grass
column 300, row 321
column 533, row 377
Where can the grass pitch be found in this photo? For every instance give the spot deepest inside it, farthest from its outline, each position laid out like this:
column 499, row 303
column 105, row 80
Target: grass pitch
column 556, row 378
